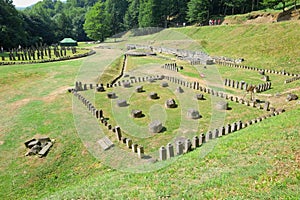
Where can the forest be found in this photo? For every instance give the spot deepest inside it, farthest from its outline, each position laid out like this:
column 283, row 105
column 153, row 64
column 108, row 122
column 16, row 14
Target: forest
column 49, row 21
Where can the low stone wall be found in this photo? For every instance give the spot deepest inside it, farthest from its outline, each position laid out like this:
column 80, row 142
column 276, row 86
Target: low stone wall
column 171, row 66
column 198, row 56
column 49, row 60
column 243, row 85
column 292, row 79
column 272, row 71
column 186, row 145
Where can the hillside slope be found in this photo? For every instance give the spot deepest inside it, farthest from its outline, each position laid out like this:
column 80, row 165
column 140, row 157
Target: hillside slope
column 267, row 46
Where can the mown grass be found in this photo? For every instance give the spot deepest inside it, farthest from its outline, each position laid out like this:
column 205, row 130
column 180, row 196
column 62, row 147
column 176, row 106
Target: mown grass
column 269, row 46
column 259, row 162
column 112, row 71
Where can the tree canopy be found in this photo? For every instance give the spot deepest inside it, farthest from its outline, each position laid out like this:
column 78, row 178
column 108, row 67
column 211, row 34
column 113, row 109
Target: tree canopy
column 49, row 21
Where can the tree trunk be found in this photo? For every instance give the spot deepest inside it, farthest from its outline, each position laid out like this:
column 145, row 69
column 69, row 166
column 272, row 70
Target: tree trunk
column 252, row 6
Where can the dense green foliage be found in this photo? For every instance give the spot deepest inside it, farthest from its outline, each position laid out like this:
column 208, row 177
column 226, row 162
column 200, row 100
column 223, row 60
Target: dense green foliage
column 49, row 21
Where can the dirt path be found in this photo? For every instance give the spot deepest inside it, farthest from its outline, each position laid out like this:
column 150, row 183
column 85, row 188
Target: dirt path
column 93, row 66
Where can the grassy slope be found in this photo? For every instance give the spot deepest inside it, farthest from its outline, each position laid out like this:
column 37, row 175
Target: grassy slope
column 261, row 45
column 260, row 162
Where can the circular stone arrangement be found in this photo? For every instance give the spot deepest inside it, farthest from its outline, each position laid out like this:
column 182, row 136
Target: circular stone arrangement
column 155, row 126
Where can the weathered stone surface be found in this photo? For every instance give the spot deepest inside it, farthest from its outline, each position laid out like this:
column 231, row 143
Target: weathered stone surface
column 111, row 95
column 136, row 113
column 179, row 147
column 126, row 84
column 162, row 153
column 33, row 143
column 153, row 95
column 199, row 96
column 45, row 149
column 139, row 89
column 291, row 97
column 266, row 78
column 100, row 89
column 179, row 90
column 122, row 103
column 222, row 105
column 105, row 143
column 155, row 126
column 170, row 150
column 193, row 114
column 170, row 103
column 164, row 84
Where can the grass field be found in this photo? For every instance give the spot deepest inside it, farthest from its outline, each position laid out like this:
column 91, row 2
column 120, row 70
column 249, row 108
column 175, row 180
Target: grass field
column 259, row 162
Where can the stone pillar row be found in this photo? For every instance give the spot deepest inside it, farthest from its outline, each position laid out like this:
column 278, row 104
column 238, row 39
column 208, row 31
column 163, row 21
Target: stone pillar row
column 117, row 130
column 243, row 85
column 232, row 64
column 171, row 66
column 179, row 148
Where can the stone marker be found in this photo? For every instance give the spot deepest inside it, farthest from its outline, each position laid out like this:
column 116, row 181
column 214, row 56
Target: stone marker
column 179, row 90
column 153, row 95
column 134, row 148
column 100, row 89
column 164, row 84
column 179, row 148
column 122, row 103
column 155, row 126
column 170, row 150
column 266, row 78
column 126, row 84
column 193, row 114
column 222, row 105
column 187, row 145
column 129, row 143
column 105, row 143
column 291, row 97
column 266, row 106
column 111, row 95
column 140, row 151
column 170, row 103
column 195, row 142
column 228, row 129
column 118, row 133
column 199, row 96
column 139, row 89
column 136, row 113
column 162, row 153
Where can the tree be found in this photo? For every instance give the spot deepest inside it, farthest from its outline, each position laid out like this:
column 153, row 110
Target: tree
column 116, row 10
column 151, row 13
column 12, row 32
column 198, row 11
column 97, row 22
column 131, row 19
